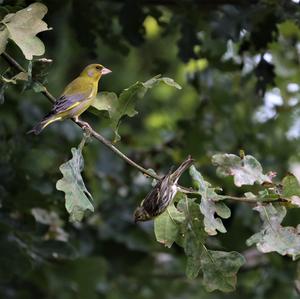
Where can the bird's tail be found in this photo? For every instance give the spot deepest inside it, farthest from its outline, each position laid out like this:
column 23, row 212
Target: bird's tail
column 183, row 167
column 47, row 120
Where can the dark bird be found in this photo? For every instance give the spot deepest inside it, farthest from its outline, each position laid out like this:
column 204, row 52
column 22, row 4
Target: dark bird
column 163, row 193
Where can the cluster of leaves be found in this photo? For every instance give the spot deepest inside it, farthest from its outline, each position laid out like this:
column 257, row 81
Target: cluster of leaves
column 22, row 27
column 124, row 105
column 202, row 33
column 190, row 223
column 77, row 197
column 223, row 38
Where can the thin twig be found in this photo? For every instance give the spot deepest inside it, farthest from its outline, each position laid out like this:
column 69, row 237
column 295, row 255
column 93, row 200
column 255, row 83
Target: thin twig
column 17, row 66
column 255, row 199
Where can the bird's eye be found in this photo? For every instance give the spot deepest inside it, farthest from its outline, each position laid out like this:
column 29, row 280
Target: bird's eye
column 98, row 67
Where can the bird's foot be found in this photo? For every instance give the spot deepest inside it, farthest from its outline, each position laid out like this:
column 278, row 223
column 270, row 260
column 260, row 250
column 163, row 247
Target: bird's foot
column 84, row 125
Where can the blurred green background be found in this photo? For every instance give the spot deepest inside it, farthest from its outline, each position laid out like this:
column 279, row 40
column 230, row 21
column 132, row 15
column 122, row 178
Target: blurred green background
column 238, row 64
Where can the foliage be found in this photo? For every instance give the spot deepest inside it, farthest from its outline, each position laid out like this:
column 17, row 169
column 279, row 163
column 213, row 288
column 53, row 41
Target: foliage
column 22, row 27
column 273, row 236
column 166, row 226
column 246, row 170
column 78, row 199
column 125, row 104
column 209, row 205
column 239, row 71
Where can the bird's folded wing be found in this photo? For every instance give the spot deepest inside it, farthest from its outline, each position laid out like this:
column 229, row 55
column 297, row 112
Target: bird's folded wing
column 68, row 101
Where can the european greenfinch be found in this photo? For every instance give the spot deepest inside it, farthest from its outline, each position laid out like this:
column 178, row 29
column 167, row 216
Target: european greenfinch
column 162, row 195
column 78, row 96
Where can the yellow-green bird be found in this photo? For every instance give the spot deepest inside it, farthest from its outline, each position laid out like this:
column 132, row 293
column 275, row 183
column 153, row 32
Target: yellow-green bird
column 76, row 97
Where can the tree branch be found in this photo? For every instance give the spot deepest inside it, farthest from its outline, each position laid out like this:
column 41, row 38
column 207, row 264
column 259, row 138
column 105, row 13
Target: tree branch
column 86, row 126
column 255, row 199
column 17, row 66
column 81, row 124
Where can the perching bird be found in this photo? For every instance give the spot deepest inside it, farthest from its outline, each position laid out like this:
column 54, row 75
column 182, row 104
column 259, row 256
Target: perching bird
column 76, row 97
column 161, row 196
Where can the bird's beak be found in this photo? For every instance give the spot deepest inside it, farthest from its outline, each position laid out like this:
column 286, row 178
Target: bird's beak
column 105, row 71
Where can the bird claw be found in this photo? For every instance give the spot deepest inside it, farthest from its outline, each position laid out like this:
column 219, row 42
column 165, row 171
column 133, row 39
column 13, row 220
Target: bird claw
column 84, row 125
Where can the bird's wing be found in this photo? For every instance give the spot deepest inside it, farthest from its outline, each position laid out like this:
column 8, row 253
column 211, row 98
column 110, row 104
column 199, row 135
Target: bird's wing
column 152, row 201
column 160, row 196
column 73, row 95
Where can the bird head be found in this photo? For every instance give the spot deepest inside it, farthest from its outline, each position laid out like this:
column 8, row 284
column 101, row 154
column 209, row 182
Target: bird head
column 95, row 71
column 140, row 214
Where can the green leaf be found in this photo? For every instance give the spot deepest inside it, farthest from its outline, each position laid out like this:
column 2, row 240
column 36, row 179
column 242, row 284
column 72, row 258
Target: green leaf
column 290, row 186
column 22, row 27
column 289, row 29
column 291, row 189
column 155, row 80
column 246, row 170
column 192, row 235
column 284, row 65
column 106, row 101
column 166, row 225
column 76, row 195
column 273, row 236
column 208, row 206
column 220, row 269
column 125, row 104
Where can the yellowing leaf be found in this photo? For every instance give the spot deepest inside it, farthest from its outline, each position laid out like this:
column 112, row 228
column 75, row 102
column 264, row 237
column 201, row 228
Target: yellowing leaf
column 22, row 27
column 245, row 171
column 76, row 195
column 209, row 205
column 273, row 236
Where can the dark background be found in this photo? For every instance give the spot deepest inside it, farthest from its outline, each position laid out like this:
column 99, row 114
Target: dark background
column 238, row 64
